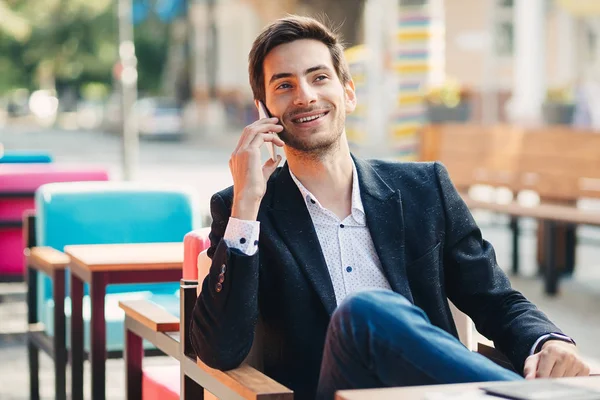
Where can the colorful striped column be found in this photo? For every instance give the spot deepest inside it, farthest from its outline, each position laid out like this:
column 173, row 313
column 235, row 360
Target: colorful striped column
column 411, row 68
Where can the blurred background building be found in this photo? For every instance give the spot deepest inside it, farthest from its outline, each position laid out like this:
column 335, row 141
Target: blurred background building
column 415, row 61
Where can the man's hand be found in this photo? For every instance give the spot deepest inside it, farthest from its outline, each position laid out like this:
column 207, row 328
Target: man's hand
column 249, row 175
column 556, row 359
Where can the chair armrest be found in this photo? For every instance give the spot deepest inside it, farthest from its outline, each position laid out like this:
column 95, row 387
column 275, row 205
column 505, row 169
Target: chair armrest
column 495, row 355
column 150, row 315
column 47, row 259
column 243, row 381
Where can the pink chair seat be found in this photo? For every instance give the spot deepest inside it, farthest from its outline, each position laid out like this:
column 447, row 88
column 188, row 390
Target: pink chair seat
column 160, row 382
column 24, row 180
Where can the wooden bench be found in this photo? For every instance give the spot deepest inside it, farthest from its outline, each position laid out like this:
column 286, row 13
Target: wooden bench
column 561, row 165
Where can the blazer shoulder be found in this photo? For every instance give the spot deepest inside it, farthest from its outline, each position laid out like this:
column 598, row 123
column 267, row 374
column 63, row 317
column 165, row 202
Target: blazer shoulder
column 226, row 195
column 409, row 173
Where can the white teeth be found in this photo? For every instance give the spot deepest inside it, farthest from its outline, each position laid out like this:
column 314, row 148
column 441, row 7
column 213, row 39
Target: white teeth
column 306, row 119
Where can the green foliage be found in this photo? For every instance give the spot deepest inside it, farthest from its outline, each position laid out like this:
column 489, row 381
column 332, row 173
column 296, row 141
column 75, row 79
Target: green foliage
column 151, row 41
column 72, row 41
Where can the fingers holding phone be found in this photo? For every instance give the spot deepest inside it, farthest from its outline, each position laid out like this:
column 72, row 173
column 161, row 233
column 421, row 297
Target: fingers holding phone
column 262, row 114
column 248, row 172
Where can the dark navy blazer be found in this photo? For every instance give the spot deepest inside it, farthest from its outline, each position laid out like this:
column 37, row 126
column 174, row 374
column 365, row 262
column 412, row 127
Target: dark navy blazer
column 430, row 248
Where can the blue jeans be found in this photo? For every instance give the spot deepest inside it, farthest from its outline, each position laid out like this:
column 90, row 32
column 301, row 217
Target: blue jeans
column 377, row 338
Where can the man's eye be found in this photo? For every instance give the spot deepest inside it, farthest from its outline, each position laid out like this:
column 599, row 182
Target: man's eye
column 284, row 86
column 321, row 77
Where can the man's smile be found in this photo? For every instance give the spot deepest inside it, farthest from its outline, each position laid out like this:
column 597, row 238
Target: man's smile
column 309, row 119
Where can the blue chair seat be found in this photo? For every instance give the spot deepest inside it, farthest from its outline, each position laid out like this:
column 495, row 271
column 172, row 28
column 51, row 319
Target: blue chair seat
column 115, row 316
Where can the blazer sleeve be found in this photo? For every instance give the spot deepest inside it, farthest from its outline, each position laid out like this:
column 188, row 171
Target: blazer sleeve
column 225, row 315
column 478, row 287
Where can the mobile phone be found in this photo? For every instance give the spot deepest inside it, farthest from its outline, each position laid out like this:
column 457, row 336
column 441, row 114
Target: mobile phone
column 264, row 113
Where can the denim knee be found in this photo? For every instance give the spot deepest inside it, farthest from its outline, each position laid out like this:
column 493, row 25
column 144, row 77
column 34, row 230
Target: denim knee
column 360, row 307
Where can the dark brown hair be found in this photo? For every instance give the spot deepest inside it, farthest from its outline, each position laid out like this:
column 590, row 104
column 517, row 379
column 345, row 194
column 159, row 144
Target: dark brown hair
column 287, row 30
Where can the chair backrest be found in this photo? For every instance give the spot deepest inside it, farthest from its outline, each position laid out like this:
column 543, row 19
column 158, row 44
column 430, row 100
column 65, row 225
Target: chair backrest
column 463, row 323
column 473, row 154
column 113, row 212
column 25, row 157
column 27, row 178
column 194, row 243
column 559, row 163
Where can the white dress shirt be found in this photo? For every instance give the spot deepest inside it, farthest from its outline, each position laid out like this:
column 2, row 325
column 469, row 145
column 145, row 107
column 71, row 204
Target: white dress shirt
column 347, row 246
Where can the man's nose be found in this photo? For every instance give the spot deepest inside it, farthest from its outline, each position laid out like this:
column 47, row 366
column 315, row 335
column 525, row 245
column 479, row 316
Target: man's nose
column 305, row 95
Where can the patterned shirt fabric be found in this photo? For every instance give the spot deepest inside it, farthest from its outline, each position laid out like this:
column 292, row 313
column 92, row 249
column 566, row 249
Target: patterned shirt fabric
column 346, row 244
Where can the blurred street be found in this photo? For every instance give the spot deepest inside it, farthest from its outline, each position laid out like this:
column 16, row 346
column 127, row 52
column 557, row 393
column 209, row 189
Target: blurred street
column 198, row 160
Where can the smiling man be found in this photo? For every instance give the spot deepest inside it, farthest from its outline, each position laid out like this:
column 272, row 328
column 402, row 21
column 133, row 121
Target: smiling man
column 342, row 266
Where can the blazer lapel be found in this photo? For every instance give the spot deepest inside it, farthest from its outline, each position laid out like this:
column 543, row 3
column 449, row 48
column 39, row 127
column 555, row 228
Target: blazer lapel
column 385, row 220
column 294, row 224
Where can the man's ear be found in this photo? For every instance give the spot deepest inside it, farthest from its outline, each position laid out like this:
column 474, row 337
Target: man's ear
column 350, row 96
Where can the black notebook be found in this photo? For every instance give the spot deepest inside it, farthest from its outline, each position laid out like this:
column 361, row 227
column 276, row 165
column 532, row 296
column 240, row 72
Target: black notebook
column 541, row 389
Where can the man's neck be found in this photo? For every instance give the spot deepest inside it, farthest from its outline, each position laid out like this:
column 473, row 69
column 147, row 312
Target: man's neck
column 328, row 178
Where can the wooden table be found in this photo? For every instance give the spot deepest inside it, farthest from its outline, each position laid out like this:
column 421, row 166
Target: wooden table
column 99, row 266
column 51, row 262
column 420, row 392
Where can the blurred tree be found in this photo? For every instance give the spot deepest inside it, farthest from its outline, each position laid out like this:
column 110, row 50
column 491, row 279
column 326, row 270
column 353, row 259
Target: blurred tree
column 66, row 43
column 60, row 40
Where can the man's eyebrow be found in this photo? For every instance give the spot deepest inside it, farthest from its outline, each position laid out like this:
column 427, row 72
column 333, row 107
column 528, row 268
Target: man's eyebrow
column 287, row 74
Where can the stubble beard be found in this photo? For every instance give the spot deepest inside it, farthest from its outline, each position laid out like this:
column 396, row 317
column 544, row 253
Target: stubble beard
column 315, row 150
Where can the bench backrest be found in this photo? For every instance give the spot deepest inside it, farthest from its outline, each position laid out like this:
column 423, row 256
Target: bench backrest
column 557, row 163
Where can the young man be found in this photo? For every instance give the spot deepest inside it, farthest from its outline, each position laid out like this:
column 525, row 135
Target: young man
column 294, row 250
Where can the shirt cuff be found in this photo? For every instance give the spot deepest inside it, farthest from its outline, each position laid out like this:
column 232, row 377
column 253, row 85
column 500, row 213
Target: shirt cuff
column 544, row 337
column 242, row 235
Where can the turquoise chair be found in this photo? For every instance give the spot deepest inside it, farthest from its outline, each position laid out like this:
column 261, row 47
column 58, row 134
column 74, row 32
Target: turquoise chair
column 25, row 157
column 105, row 213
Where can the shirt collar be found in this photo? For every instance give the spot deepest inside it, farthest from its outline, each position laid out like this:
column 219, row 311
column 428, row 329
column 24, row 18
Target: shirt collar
column 358, row 211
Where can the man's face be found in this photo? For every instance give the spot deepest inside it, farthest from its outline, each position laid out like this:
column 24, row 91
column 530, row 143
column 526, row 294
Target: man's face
column 305, row 93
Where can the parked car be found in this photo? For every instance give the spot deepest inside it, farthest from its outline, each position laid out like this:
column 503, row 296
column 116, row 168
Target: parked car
column 159, row 118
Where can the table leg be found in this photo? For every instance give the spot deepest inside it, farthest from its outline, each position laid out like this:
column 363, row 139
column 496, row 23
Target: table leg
column 32, row 350
column 551, row 273
column 76, row 338
column 133, row 365
column 60, row 341
column 570, row 249
column 98, row 335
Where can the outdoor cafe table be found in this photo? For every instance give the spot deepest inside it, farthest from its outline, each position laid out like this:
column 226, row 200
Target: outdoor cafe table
column 99, row 266
column 428, row 392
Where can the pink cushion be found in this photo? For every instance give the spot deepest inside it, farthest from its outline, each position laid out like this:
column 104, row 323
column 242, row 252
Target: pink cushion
column 12, row 260
column 193, row 243
column 28, row 177
column 11, row 209
column 160, row 382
